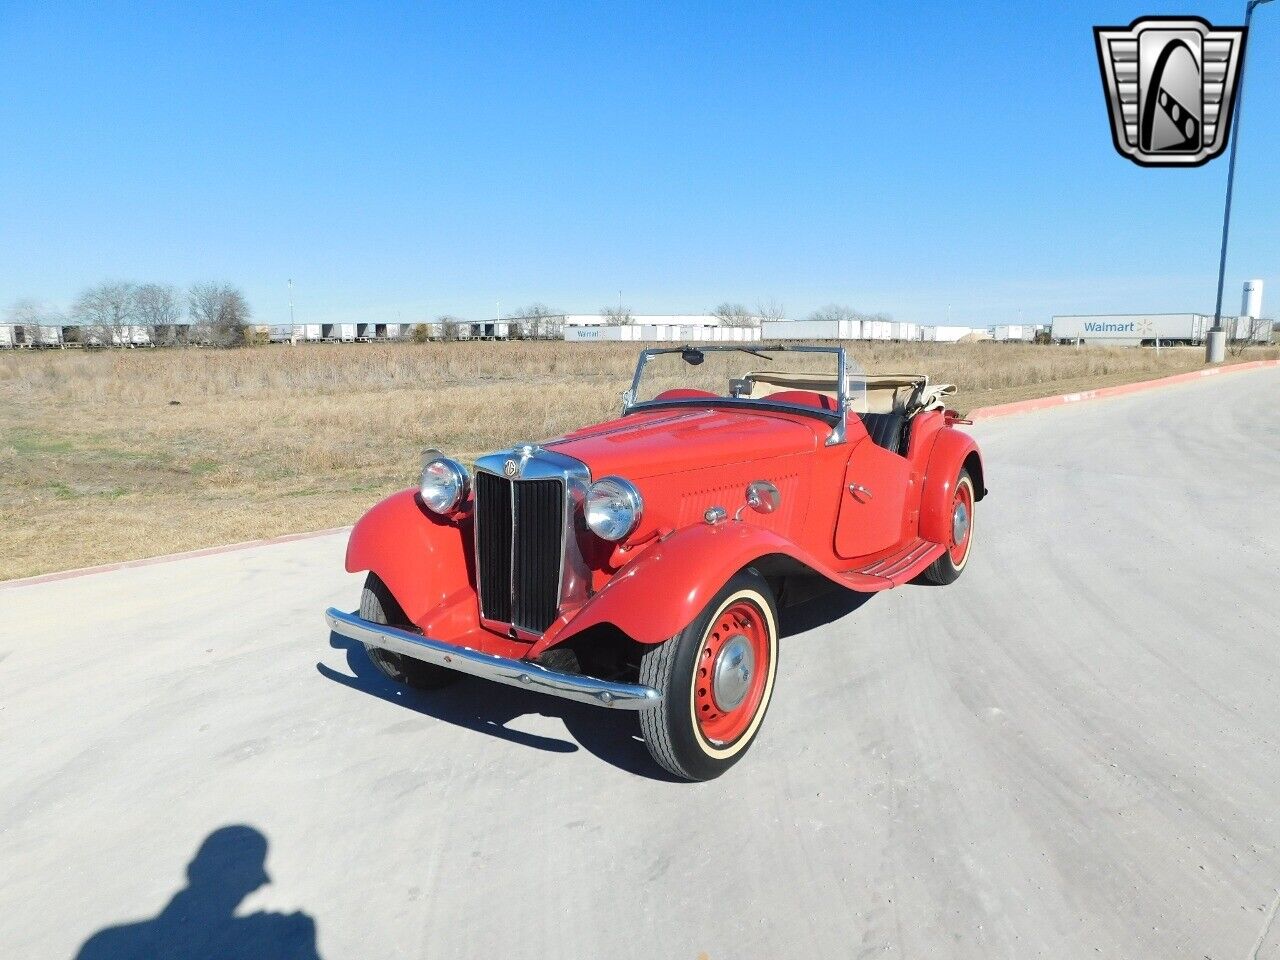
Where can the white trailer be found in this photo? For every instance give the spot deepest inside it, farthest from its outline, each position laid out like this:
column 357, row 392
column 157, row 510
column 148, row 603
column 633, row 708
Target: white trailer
column 6, row 335
column 130, row 335
column 345, row 332
column 946, row 334
column 812, row 329
column 594, row 334
column 491, row 330
column 1248, row 328
column 1131, row 330
column 1013, row 331
column 51, row 336
column 660, row 333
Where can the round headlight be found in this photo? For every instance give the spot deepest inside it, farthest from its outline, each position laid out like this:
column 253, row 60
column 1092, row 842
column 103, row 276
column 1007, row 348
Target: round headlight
column 613, row 508
column 443, row 485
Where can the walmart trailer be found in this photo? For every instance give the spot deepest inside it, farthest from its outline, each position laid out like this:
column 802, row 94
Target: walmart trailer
column 1131, row 330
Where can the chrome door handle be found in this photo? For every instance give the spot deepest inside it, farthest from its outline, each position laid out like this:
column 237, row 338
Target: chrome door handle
column 859, row 491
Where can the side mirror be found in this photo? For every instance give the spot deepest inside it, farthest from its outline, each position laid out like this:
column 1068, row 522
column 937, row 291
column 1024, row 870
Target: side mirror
column 762, row 497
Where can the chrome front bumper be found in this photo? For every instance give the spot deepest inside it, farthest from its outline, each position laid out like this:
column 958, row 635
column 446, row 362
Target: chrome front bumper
column 515, row 673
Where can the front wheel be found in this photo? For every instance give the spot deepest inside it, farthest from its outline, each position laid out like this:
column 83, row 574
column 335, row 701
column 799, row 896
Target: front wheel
column 377, row 605
column 716, row 678
column 948, row 567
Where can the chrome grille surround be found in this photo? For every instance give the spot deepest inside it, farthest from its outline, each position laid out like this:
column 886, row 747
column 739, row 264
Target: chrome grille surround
column 524, row 463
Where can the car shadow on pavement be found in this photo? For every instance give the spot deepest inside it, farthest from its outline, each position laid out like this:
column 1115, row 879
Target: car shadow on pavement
column 828, row 606
column 200, row 923
column 611, row 735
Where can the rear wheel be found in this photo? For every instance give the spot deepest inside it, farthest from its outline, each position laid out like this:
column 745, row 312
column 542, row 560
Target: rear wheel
column 948, row 567
column 377, row 605
column 716, row 678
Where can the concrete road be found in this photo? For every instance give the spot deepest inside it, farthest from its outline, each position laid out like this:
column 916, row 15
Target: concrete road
column 1074, row 751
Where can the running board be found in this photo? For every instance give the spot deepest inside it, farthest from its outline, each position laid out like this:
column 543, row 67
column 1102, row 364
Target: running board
column 897, row 568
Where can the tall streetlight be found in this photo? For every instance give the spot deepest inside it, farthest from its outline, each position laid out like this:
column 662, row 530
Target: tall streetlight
column 1216, row 342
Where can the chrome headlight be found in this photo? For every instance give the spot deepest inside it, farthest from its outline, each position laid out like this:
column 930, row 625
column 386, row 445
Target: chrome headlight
column 613, row 508
column 444, row 484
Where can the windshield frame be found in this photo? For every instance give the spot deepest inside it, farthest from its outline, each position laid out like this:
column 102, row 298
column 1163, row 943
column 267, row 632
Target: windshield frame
column 837, row 419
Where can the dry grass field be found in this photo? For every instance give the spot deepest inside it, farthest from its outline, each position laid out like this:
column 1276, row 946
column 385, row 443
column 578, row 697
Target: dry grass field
column 123, row 454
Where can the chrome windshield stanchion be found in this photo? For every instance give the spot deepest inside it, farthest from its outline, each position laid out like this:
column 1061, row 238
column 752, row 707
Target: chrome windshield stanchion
column 840, row 430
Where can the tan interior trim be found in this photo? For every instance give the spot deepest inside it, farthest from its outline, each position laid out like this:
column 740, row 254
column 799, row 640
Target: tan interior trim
column 885, row 392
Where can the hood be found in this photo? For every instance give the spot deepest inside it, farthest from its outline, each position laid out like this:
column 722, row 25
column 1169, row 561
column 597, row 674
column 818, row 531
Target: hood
column 672, row 441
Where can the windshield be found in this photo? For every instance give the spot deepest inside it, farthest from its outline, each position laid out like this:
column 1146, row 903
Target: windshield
column 786, row 376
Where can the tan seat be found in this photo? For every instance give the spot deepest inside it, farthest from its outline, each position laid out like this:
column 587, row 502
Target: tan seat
column 885, row 393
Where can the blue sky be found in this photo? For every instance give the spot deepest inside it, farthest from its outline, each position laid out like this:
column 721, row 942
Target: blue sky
column 402, row 161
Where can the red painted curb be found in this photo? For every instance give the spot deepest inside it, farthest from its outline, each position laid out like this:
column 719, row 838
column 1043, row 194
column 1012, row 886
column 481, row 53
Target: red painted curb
column 1043, row 403
column 168, row 557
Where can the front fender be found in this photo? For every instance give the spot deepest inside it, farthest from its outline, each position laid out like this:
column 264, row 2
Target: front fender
column 952, row 450
column 659, row 593
column 425, row 560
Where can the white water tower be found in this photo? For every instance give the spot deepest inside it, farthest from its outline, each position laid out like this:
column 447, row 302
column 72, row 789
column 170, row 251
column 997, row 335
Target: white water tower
column 1251, row 302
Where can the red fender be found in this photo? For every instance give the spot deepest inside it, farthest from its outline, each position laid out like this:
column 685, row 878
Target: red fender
column 424, row 559
column 659, row 593
column 951, row 451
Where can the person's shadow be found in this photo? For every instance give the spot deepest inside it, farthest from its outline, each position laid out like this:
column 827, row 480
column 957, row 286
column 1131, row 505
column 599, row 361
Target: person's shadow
column 200, row 922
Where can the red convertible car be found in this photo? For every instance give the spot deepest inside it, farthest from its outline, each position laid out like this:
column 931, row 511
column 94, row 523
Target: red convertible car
column 639, row 563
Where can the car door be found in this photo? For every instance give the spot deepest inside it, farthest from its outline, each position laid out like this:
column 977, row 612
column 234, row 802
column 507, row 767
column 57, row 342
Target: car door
column 873, row 501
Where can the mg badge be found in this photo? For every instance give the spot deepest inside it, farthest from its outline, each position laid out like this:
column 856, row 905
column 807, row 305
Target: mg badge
column 511, row 468
column 1170, row 84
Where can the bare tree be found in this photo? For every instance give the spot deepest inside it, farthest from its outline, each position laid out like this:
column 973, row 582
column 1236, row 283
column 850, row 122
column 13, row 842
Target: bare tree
column 837, row 311
column 108, row 311
column 833, row 312
column 734, row 315
column 450, row 327
column 35, row 318
column 771, row 310
column 533, row 318
column 1250, row 332
column 219, row 313
column 158, row 308
column 617, row 316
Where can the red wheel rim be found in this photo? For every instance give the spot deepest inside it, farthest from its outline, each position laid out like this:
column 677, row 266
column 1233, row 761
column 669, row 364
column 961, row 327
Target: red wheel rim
column 961, row 523
column 734, row 662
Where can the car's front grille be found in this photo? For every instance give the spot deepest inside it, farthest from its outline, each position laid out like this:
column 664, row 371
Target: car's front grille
column 493, row 546
column 519, row 541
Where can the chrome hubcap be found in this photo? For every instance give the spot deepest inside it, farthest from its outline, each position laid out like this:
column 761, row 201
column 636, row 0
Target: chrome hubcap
column 959, row 523
column 731, row 677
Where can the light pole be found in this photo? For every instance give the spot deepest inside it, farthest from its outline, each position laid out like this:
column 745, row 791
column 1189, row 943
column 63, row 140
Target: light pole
column 1216, row 341
column 291, row 303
